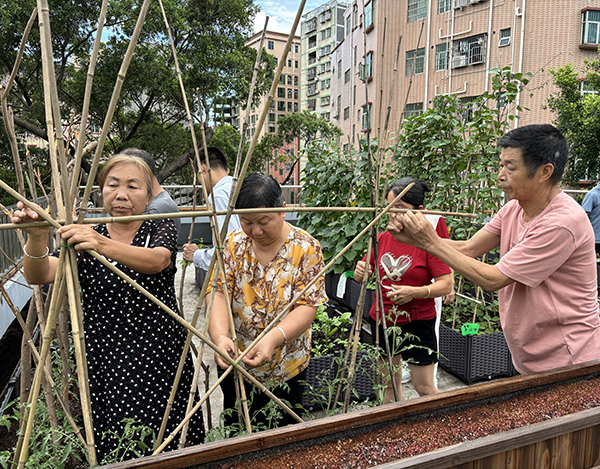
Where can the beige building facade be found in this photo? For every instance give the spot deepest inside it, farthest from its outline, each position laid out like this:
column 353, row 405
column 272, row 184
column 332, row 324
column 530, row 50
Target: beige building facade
column 322, row 29
column 449, row 47
column 287, row 96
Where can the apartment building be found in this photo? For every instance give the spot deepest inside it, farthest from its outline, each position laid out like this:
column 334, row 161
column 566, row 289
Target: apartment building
column 322, row 29
column 448, row 47
column 286, row 100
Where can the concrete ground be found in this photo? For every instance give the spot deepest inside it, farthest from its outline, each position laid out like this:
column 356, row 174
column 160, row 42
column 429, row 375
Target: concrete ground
column 191, row 292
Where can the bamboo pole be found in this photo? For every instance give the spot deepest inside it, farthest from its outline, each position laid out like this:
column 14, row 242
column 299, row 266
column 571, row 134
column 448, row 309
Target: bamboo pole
column 113, row 104
column 208, row 213
column 86, row 99
column 36, row 356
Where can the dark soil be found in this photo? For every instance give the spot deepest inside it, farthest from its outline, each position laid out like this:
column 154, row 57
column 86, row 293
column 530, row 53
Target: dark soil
column 404, row 439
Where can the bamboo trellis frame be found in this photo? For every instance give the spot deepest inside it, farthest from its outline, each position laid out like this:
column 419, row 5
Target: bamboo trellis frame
column 64, row 190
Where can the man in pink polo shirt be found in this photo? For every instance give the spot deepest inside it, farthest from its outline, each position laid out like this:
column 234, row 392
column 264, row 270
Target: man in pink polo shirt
column 546, row 275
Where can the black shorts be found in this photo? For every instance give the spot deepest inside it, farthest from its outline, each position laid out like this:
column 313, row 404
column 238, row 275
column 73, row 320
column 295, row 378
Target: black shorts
column 419, row 334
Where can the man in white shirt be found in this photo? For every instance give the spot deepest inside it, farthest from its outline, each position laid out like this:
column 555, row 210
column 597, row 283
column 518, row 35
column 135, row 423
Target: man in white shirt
column 221, row 187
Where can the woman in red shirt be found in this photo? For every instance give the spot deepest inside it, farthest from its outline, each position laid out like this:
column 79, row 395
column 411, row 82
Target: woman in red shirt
column 406, row 275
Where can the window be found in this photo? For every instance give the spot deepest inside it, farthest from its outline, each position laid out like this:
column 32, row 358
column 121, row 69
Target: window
column 348, row 19
column 347, row 113
column 444, row 6
column 312, row 58
column 366, row 69
column 295, row 94
column 354, row 98
column 281, row 79
column 252, row 119
column 272, row 105
column 271, row 129
column 296, row 48
column 289, row 106
column 281, row 92
column 270, row 45
column 325, row 115
column 289, row 80
column 296, row 80
column 417, row 10
column 296, row 107
column 325, row 101
column 312, row 41
column 586, row 88
column 415, row 62
column 325, row 16
column 325, row 50
column 326, row 33
column 310, row 25
column 504, row 38
column 311, row 104
column 326, row 84
column 279, row 116
column 590, row 21
column 281, row 106
column 289, row 93
column 339, row 69
column 271, row 117
column 311, row 73
column 311, row 89
column 441, row 57
column 468, row 107
column 295, row 63
column 355, row 55
column 413, row 110
column 347, row 76
column 289, row 62
column 366, row 117
column 369, row 14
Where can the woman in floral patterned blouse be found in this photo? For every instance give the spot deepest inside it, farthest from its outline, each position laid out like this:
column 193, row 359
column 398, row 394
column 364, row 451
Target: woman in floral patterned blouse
column 267, row 263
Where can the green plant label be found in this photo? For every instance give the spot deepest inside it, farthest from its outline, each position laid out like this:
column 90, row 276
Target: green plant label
column 469, row 329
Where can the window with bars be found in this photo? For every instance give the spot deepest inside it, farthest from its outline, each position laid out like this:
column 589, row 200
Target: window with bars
column 417, row 10
column 281, row 106
column 590, row 22
column 413, row 109
column 325, row 101
column 441, row 57
column 415, row 62
column 326, row 84
column 326, row 33
column 281, row 92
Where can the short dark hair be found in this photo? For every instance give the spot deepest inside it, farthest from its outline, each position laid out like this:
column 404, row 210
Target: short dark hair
column 259, row 190
column 415, row 196
column 216, row 158
column 143, row 154
column 539, row 144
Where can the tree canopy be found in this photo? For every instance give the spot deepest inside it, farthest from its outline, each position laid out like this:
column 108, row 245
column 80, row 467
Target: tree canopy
column 578, row 117
column 209, row 38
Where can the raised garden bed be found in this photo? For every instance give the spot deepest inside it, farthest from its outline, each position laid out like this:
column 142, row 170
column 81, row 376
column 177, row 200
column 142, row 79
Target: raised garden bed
column 475, row 357
column 520, row 419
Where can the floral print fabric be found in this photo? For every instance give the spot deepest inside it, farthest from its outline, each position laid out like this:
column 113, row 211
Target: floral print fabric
column 259, row 293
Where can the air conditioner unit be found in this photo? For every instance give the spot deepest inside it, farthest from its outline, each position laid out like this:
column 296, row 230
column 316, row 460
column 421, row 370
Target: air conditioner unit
column 460, row 3
column 336, row 115
column 459, row 61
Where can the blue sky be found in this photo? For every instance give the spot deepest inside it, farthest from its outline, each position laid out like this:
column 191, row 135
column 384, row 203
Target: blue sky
column 281, row 14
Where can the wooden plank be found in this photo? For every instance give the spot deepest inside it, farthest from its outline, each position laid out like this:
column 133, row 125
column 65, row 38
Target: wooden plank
column 542, row 433
column 328, row 426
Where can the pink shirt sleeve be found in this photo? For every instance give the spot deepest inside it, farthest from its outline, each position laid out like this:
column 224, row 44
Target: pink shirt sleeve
column 538, row 255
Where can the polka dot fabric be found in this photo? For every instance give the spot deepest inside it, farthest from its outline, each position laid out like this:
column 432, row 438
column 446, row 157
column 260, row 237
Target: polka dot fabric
column 133, row 346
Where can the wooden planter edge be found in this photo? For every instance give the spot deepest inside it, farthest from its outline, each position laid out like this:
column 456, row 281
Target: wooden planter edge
column 217, row 450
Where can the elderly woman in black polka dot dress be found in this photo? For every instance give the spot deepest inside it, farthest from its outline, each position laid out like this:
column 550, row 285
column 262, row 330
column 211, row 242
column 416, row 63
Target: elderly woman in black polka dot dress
column 133, row 347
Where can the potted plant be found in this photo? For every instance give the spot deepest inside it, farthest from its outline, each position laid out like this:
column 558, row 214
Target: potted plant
column 327, row 369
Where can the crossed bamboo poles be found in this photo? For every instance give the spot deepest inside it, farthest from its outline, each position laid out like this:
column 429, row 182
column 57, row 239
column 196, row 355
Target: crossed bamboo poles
column 66, row 278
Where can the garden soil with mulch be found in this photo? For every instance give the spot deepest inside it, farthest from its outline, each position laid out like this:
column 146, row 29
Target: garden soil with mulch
column 431, row 431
